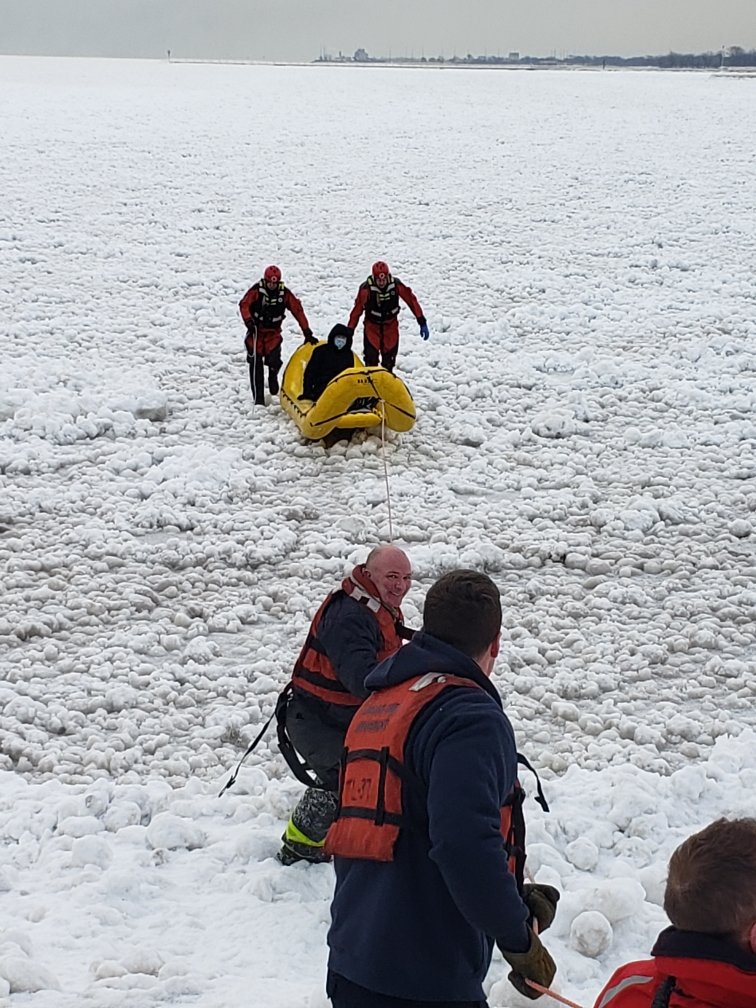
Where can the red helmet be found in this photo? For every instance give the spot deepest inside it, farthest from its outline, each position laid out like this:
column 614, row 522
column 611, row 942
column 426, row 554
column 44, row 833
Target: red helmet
column 379, row 268
column 272, row 274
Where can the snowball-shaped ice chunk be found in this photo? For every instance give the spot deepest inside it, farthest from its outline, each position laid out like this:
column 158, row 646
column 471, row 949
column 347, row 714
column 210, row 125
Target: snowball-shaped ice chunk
column 618, row 898
column 591, row 933
column 170, row 831
column 583, row 853
column 553, row 424
column 24, row 976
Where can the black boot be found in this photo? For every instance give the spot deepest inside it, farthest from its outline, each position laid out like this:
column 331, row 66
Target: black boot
column 273, row 381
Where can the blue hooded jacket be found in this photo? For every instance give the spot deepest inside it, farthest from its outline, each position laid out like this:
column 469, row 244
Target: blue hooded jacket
column 422, row 926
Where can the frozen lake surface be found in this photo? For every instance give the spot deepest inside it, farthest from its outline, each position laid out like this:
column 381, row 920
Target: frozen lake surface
column 582, row 245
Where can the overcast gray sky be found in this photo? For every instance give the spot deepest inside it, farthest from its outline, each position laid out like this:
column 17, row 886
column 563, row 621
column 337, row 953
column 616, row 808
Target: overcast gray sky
column 299, row 29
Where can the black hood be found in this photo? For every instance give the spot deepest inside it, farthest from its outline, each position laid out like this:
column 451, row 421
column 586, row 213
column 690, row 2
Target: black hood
column 423, row 654
column 340, row 330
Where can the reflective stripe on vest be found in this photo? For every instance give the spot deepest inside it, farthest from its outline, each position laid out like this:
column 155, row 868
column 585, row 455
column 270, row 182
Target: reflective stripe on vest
column 630, row 981
column 270, row 308
column 374, row 774
column 383, row 302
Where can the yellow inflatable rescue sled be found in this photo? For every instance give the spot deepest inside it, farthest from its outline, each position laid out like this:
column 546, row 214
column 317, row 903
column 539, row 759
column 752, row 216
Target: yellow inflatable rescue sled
column 360, row 397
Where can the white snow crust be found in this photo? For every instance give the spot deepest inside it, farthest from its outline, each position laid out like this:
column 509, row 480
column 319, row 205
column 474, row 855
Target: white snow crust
column 582, row 246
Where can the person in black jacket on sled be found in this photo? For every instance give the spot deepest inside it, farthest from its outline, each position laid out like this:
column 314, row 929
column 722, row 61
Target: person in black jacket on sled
column 327, row 361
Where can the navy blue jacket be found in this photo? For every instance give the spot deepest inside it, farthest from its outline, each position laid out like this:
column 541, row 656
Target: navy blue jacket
column 423, row 926
column 351, row 637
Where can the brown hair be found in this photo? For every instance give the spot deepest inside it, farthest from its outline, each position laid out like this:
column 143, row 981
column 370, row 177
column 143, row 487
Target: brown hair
column 712, row 879
column 463, row 608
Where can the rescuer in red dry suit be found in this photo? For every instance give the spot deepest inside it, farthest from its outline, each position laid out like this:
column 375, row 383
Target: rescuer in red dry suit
column 262, row 309
column 378, row 297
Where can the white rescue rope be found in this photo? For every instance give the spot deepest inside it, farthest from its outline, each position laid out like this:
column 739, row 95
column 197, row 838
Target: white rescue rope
column 385, row 469
column 254, row 371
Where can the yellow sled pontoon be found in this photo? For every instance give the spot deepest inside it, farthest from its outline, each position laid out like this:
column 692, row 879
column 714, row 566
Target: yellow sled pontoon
column 358, row 398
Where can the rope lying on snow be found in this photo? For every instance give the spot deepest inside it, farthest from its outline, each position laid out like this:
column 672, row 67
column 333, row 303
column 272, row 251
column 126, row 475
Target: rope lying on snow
column 382, row 402
column 385, row 469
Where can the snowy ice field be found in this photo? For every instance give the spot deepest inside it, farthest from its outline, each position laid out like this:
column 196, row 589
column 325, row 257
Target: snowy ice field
column 582, row 244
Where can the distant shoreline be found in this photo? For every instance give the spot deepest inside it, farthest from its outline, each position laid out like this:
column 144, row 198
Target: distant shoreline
column 731, row 71
column 740, row 70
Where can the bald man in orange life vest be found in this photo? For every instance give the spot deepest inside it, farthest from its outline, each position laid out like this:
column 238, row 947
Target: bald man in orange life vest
column 356, row 627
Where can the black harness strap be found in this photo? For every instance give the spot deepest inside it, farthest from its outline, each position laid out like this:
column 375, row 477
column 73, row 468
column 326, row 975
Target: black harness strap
column 664, row 993
column 231, row 781
column 301, row 770
column 540, row 796
column 355, row 812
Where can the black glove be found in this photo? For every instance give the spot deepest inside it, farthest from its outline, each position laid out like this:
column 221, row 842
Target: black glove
column 535, row 964
column 349, row 329
column 542, row 901
column 308, row 337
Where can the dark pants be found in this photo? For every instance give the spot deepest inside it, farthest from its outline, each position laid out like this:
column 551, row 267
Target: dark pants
column 371, row 353
column 320, row 743
column 257, row 361
column 345, row 994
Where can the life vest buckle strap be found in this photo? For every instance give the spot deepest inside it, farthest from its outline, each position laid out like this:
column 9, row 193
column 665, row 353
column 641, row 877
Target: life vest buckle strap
column 357, row 812
column 383, row 761
column 426, row 680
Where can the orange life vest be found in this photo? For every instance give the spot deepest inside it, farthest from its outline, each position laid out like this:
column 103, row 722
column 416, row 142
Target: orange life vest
column 313, row 671
column 374, row 775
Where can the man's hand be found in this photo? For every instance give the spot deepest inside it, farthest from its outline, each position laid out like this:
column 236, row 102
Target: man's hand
column 308, row 337
column 542, row 901
column 424, row 331
column 535, row 964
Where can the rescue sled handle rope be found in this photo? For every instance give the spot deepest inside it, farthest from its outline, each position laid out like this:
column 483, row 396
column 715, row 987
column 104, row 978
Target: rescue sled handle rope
column 382, row 402
column 254, row 403
column 385, row 469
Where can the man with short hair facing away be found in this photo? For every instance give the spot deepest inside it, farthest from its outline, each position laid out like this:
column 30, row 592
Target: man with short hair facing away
column 428, row 844
column 707, row 958
column 378, row 297
column 355, row 628
column 262, row 309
